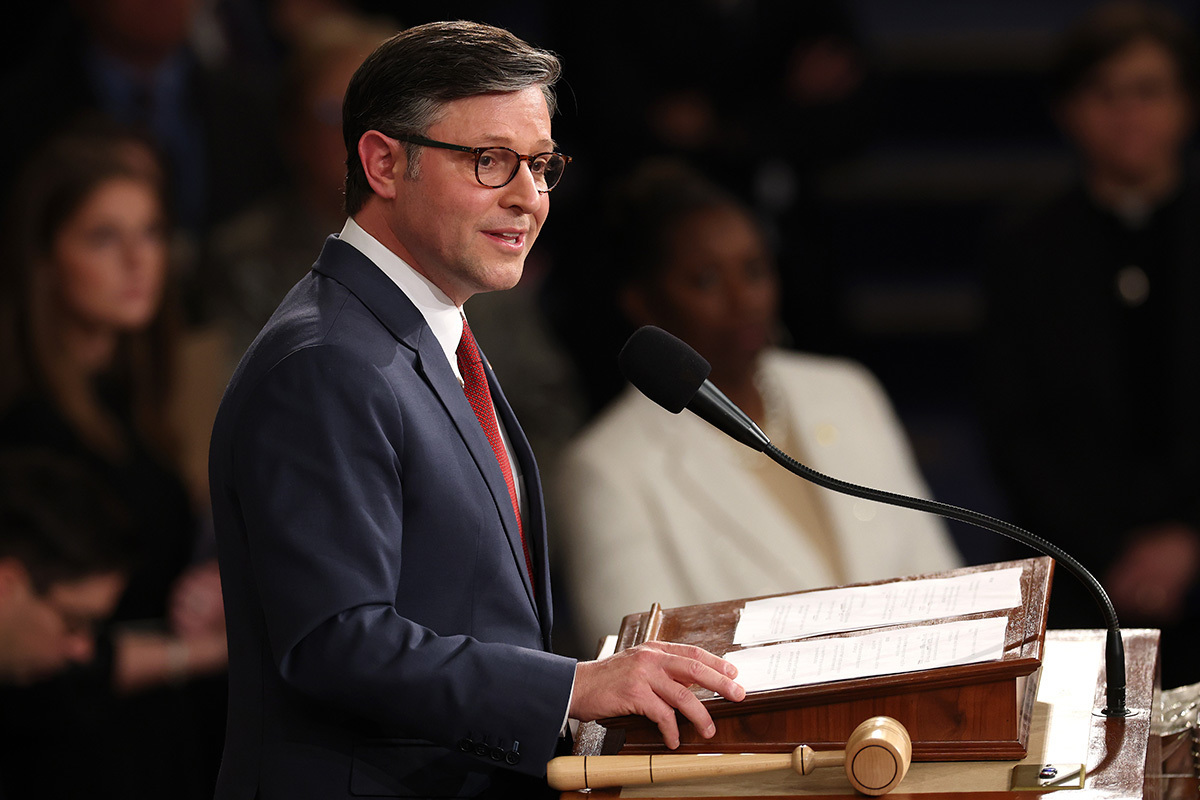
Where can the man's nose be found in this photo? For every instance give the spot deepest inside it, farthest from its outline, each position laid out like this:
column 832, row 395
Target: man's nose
column 522, row 192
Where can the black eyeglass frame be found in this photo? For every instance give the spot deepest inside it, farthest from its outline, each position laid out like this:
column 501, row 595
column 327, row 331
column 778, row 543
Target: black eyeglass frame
column 479, row 151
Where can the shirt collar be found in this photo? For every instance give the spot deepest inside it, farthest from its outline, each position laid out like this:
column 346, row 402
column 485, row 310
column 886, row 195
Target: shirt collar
column 444, row 318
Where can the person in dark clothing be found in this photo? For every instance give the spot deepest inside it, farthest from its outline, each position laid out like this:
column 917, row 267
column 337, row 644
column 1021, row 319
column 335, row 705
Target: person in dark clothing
column 1092, row 344
column 86, row 322
column 65, row 553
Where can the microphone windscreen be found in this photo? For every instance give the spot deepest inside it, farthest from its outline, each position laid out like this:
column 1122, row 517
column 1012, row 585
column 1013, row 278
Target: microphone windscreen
column 663, row 367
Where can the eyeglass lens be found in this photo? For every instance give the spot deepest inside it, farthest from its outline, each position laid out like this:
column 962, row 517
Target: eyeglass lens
column 496, row 166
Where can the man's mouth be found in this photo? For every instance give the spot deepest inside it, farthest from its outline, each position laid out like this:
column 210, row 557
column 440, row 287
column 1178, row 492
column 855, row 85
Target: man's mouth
column 510, row 238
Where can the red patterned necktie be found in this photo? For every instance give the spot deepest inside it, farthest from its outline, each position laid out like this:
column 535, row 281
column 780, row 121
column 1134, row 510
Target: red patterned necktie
column 475, row 386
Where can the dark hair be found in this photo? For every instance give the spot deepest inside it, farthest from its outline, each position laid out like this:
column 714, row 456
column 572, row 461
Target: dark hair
column 1110, row 28
column 53, row 186
column 402, row 87
column 59, row 520
column 647, row 205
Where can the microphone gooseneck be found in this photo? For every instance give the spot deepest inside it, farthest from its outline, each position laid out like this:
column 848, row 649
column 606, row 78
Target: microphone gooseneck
column 1114, row 646
column 663, row 366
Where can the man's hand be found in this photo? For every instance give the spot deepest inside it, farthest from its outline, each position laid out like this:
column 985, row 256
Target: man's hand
column 653, row 680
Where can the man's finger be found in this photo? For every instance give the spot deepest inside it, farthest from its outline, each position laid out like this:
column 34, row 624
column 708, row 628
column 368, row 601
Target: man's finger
column 663, row 714
column 698, row 654
column 688, row 671
column 680, row 697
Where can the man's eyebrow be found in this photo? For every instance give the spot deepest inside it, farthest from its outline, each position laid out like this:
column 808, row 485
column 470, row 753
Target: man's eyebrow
column 548, row 144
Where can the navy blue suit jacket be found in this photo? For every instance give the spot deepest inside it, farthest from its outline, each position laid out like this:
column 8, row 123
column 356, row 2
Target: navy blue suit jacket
column 384, row 638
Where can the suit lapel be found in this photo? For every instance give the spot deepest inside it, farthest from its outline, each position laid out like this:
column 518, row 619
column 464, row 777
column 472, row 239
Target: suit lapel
column 835, row 428
column 433, row 365
column 347, row 265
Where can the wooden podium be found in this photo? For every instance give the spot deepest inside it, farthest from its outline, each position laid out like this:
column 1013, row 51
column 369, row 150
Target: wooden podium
column 1123, row 759
column 974, row 712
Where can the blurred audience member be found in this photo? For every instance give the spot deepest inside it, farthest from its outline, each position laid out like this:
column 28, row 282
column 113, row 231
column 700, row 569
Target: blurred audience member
column 132, row 61
column 65, row 552
column 254, row 257
column 292, row 20
column 654, row 508
column 753, row 94
column 1090, row 375
column 760, row 96
column 87, row 317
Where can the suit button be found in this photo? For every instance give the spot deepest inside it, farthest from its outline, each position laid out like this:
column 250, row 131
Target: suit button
column 512, row 758
column 465, row 745
column 481, row 749
column 497, row 754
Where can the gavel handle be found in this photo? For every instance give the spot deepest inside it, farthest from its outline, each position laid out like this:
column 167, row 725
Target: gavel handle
column 876, row 759
column 593, row 772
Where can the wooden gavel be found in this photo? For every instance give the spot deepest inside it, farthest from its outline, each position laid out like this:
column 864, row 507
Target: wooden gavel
column 876, row 759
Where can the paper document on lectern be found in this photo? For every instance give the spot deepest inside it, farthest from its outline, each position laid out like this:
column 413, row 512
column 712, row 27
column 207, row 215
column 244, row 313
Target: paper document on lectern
column 795, row 616
column 886, row 652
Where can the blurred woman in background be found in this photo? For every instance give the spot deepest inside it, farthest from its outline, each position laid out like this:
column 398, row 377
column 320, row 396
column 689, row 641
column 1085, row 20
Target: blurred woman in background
column 87, row 335
column 1089, row 366
column 654, row 508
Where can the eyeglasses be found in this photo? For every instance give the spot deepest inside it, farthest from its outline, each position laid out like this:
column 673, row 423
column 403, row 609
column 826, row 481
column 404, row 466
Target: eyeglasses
column 497, row 166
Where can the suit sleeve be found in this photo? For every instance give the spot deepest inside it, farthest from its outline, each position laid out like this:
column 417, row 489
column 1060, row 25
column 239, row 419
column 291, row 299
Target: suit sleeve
column 319, row 464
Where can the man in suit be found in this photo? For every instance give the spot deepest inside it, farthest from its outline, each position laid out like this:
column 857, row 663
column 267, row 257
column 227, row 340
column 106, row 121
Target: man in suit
column 378, row 510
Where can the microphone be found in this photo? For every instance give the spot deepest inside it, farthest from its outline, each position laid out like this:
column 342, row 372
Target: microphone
column 675, row 376
column 668, row 371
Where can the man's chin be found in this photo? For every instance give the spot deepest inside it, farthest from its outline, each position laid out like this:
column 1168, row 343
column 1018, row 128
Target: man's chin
column 503, row 276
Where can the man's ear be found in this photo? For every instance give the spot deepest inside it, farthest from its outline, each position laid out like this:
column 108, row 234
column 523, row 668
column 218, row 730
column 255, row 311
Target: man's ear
column 384, row 162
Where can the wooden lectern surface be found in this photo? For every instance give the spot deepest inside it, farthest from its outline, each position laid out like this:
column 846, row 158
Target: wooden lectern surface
column 822, row 715
column 1121, row 756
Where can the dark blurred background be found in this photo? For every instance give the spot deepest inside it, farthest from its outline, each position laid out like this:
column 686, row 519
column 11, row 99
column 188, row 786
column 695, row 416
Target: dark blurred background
column 906, row 132
column 883, row 144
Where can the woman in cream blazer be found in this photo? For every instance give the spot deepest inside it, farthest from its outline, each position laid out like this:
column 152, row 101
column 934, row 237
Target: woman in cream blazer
column 652, row 507
column 660, row 508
